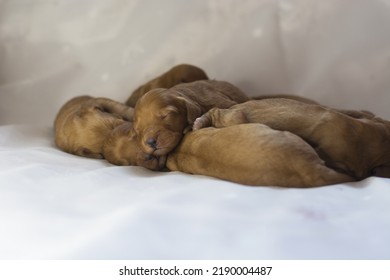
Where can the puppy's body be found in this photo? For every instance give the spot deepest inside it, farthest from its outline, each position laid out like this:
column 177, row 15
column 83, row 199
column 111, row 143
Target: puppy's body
column 182, row 73
column 162, row 116
column 121, row 148
column 252, row 154
column 355, row 145
column 83, row 123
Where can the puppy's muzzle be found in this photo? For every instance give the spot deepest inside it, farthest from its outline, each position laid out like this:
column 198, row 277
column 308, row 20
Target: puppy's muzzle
column 152, row 143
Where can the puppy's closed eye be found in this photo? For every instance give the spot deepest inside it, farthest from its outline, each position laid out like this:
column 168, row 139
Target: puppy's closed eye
column 168, row 111
column 99, row 108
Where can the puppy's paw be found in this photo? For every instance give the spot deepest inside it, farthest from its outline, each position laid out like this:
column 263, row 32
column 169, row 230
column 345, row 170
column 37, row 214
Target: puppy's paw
column 200, row 123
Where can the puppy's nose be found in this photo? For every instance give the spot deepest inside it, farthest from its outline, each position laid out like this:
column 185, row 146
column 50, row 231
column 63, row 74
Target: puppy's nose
column 151, row 142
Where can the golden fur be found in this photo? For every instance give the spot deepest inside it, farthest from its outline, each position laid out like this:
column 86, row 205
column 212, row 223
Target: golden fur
column 354, row 142
column 83, row 123
column 288, row 96
column 252, row 154
column 182, row 73
column 162, row 116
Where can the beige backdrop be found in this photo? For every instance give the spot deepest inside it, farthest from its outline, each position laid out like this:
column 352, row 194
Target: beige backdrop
column 334, row 51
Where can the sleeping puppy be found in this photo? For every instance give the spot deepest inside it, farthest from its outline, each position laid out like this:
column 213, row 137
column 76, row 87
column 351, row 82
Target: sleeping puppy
column 121, row 148
column 162, row 116
column 252, row 154
column 357, row 145
column 182, row 73
column 83, row 123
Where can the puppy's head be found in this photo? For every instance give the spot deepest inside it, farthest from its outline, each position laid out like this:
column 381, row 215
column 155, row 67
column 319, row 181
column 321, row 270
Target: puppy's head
column 82, row 125
column 161, row 118
column 184, row 73
column 121, row 148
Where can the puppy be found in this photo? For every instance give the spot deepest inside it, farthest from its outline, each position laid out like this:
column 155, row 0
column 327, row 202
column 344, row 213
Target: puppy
column 357, row 145
column 252, row 154
column 121, row 148
column 162, row 116
column 83, row 123
column 182, row 73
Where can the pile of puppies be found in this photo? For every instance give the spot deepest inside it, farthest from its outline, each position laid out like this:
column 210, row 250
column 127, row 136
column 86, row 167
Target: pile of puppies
column 182, row 121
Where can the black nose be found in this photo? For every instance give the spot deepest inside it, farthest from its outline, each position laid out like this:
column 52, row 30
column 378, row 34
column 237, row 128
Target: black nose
column 152, row 143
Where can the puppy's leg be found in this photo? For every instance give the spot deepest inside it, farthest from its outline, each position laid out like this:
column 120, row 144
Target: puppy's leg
column 114, row 107
column 220, row 118
column 322, row 175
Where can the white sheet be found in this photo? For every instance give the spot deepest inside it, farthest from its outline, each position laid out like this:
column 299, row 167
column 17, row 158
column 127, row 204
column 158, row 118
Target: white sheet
column 58, row 206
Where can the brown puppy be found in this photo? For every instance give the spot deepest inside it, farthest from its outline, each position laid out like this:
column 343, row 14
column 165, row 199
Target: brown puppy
column 182, row 73
column 83, row 123
column 252, row 154
column 121, row 148
column 356, row 145
column 162, row 116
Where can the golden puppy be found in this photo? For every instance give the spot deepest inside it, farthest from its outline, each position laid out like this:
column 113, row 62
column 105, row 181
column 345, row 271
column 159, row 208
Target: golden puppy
column 182, row 73
column 252, row 154
column 356, row 145
column 162, row 116
column 121, row 148
column 83, row 123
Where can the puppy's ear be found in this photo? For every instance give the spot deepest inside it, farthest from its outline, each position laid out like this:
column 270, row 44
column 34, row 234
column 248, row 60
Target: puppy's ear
column 193, row 109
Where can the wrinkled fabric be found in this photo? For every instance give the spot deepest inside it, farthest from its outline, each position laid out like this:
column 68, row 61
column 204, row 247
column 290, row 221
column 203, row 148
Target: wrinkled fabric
column 336, row 52
column 54, row 205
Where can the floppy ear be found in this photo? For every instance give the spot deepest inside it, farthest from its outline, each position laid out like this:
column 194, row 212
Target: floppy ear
column 193, row 109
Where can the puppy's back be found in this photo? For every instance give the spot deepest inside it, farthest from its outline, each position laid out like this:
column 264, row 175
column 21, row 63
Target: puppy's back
column 64, row 118
column 212, row 93
column 82, row 124
column 68, row 109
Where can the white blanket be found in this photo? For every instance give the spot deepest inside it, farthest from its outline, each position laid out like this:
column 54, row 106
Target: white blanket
column 54, row 205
